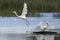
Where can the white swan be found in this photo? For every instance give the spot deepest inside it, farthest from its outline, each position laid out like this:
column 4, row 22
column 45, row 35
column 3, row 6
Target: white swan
column 23, row 15
column 43, row 27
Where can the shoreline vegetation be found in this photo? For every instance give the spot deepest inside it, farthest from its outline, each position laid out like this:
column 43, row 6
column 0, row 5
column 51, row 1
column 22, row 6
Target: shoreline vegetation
column 7, row 6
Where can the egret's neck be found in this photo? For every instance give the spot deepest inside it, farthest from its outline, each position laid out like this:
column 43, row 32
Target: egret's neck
column 16, row 14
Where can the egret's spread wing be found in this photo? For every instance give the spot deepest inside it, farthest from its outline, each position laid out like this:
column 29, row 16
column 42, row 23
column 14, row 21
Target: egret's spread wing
column 24, row 12
column 27, row 22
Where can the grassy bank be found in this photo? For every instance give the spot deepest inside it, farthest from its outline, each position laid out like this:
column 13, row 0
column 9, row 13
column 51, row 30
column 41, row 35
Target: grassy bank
column 7, row 6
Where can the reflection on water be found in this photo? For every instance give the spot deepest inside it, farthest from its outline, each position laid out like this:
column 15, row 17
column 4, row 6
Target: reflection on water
column 22, row 37
column 16, row 37
column 13, row 37
column 31, row 38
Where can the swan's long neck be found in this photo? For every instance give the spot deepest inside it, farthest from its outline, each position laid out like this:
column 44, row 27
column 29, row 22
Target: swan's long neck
column 16, row 14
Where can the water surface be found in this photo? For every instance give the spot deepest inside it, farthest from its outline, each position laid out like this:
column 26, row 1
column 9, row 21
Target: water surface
column 17, row 22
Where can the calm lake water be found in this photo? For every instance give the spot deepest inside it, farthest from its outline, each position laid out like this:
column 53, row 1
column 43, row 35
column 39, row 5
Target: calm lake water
column 17, row 22
column 14, row 22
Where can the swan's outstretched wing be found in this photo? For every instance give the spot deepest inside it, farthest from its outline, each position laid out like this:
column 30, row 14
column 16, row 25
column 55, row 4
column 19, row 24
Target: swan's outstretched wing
column 24, row 12
column 39, row 25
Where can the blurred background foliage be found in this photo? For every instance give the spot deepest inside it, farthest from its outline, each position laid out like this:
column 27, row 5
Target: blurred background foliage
column 7, row 6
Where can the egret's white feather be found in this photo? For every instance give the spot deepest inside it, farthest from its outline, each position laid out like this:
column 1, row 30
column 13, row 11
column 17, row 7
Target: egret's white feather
column 23, row 15
column 24, row 12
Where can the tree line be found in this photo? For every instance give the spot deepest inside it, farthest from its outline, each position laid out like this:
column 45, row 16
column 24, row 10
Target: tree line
column 7, row 6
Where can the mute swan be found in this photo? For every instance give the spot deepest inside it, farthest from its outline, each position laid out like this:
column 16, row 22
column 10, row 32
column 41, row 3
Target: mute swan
column 43, row 27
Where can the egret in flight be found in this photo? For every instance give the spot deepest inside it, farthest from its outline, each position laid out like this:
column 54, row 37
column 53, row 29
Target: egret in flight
column 23, row 15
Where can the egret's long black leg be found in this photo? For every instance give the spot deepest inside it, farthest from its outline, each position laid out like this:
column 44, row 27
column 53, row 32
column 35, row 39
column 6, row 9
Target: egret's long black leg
column 27, row 22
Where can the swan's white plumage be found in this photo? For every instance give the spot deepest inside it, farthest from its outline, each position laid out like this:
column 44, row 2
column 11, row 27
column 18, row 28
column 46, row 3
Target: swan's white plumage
column 43, row 27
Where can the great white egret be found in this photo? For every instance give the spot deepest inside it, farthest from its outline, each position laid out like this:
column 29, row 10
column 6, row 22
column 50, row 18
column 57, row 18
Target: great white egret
column 23, row 15
column 43, row 27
